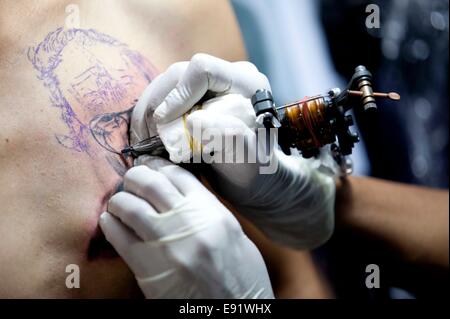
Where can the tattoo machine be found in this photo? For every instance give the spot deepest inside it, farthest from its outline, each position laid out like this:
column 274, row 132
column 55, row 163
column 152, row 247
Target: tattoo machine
column 308, row 124
column 151, row 146
column 311, row 123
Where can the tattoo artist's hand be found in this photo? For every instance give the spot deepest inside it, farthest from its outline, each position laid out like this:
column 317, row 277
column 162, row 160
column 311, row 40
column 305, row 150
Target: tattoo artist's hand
column 294, row 203
column 179, row 240
column 184, row 83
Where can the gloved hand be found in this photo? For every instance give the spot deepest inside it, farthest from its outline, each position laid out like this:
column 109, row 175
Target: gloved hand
column 295, row 204
column 179, row 240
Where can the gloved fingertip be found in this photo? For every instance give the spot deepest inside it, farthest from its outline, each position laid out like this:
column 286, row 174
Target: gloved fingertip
column 104, row 219
column 104, row 215
column 160, row 113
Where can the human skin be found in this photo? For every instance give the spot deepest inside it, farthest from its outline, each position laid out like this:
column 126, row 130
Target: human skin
column 58, row 169
column 409, row 222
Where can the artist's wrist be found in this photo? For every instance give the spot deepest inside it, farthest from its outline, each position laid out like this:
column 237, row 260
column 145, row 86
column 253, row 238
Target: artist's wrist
column 347, row 215
column 358, row 212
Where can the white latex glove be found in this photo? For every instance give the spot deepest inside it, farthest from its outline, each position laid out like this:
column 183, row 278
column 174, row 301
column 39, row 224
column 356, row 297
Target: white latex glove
column 179, row 240
column 295, row 205
column 176, row 90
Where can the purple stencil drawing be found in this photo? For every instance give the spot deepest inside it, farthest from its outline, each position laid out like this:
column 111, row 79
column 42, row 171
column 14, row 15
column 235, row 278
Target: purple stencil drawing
column 102, row 79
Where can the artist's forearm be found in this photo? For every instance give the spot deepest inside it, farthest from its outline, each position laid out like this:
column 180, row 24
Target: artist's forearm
column 413, row 221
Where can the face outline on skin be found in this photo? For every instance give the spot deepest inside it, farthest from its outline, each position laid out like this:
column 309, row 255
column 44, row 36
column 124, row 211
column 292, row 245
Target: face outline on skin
column 95, row 96
column 101, row 86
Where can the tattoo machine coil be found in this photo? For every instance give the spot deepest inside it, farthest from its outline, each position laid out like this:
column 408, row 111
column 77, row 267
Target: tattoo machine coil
column 311, row 123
